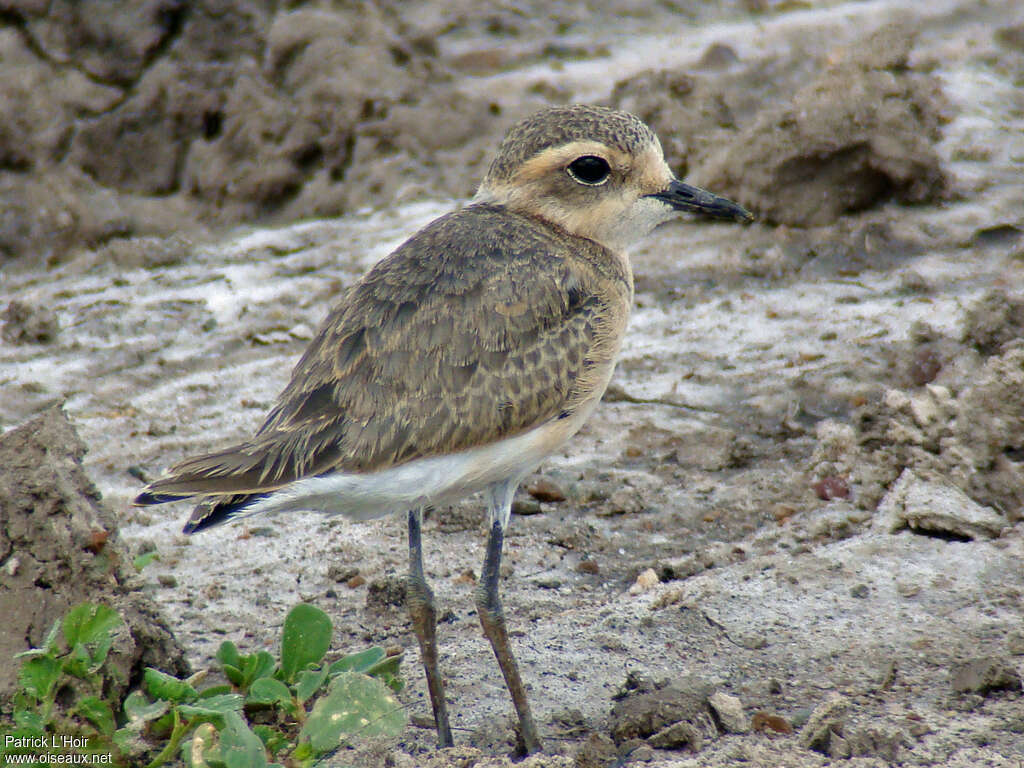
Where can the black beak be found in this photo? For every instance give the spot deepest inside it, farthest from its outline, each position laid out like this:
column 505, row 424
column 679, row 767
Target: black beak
column 683, row 197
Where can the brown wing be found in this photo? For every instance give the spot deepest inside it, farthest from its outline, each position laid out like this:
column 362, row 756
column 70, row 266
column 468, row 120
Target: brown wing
column 479, row 327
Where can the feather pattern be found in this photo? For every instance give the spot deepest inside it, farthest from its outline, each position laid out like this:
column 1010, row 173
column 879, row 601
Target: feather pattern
column 484, row 325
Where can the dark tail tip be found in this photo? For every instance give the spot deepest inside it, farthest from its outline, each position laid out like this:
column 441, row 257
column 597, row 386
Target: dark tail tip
column 214, row 512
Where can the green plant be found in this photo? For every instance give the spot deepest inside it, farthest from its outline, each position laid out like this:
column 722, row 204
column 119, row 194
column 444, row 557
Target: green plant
column 286, row 712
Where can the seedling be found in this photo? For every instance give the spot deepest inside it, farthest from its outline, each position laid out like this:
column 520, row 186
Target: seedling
column 284, row 713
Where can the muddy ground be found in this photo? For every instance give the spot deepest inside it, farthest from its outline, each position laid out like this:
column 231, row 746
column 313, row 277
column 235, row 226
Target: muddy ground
column 805, row 486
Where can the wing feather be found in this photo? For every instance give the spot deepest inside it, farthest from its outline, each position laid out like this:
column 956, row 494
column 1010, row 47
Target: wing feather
column 480, row 327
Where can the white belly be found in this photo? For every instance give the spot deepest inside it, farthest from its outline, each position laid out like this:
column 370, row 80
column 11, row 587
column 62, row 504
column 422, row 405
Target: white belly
column 432, row 481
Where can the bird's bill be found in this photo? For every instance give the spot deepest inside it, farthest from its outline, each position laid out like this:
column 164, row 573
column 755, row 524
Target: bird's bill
column 684, row 197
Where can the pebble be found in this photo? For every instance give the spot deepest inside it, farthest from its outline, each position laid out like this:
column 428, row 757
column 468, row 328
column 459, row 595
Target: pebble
column 681, row 734
column 644, row 582
column 729, row 711
column 938, row 507
column 545, row 490
column 826, row 719
column 986, row 674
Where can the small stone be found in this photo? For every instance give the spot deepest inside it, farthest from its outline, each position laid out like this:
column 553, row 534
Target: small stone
column 526, row 507
column 752, row 640
column 896, row 400
column 167, row 580
column 928, row 506
column 339, row 573
column 642, row 753
column 1015, row 642
column 27, row 324
column 767, row 721
column 301, row 331
column 729, row 711
column 545, row 490
column 356, row 581
column 597, row 751
column 386, row 592
column 644, row 582
column 925, row 365
column 832, row 487
column 826, row 719
column 681, row 734
column 985, row 675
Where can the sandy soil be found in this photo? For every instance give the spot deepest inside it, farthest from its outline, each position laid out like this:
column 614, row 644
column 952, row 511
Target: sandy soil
column 814, row 438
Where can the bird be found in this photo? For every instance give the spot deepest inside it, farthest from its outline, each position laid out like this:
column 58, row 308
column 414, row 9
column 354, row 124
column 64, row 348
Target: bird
column 460, row 361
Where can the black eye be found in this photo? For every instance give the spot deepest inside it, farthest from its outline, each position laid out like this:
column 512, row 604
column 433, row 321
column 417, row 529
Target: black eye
column 589, row 169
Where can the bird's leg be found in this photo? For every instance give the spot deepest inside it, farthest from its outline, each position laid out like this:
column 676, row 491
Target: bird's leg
column 492, row 619
column 420, row 601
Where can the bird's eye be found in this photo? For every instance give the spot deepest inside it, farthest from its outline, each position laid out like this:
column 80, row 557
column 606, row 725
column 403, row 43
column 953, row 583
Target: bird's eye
column 589, row 169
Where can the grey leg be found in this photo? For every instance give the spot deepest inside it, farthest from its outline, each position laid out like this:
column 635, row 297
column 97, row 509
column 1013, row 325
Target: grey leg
column 420, row 602
column 492, row 619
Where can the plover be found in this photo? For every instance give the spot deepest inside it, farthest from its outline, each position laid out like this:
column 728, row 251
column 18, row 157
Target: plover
column 464, row 358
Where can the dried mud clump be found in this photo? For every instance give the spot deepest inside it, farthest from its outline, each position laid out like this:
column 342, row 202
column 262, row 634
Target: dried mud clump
column 965, row 429
column 861, row 132
column 59, row 547
column 229, row 109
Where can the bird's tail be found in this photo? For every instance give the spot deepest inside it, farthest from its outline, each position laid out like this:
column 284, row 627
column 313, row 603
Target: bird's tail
column 227, row 482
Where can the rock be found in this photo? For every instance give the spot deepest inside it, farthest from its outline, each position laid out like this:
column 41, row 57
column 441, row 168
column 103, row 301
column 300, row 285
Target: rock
column 597, row 751
column 645, row 713
column 386, row 592
column 26, row 324
column 624, row 501
column 543, row 489
column 644, row 582
column 827, row 719
column 59, row 546
column 935, row 507
column 676, row 736
column 728, row 710
column 862, row 132
column 985, row 675
column 992, row 321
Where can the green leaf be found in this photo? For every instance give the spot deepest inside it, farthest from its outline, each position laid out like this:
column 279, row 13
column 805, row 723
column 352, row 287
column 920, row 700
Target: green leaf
column 50, row 643
column 272, row 738
column 228, row 654
column 138, row 707
column 255, row 667
column 240, row 747
column 160, row 685
column 29, row 720
column 268, row 690
column 387, row 667
column 303, row 754
column 38, row 676
column 308, row 682
column 212, row 709
column 145, row 559
column 234, row 674
column 358, row 662
column 98, row 712
column 78, row 662
column 88, row 623
column 215, row 690
column 355, row 704
column 304, row 640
